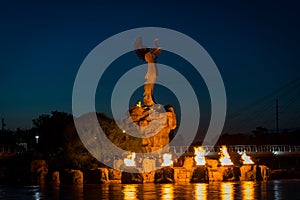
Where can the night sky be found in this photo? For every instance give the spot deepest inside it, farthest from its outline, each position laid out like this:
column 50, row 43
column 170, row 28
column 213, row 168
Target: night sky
column 255, row 46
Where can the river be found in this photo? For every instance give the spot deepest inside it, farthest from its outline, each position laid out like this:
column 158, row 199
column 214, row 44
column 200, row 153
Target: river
column 276, row 189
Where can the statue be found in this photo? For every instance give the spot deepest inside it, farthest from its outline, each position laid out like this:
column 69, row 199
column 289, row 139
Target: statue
column 149, row 55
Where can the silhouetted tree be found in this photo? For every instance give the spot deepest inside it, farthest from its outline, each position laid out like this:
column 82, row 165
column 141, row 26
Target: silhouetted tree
column 50, row 129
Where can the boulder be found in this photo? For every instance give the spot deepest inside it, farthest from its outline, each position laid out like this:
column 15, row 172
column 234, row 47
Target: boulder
column 115, row 176
column 76, row 176
column 131, row 177
column 164, row 175
column 148, row 177
column 188, row 162
column 39, row 170
column 200, row 175
column 55, row 180
column 162, row 120
column 182, row 175
column 254, row 172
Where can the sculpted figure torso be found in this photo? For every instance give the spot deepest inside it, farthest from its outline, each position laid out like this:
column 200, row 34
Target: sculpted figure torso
column 149, row 56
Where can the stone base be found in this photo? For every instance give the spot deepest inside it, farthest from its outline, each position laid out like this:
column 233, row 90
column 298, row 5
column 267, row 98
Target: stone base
column 115, row 175
column 95, row 176
column 164, row 175
column 224, row 173
column 148, row 177
column 200, row 175
column 152, row 124
column 128, row 177
column 182, row 175
column 254, row 173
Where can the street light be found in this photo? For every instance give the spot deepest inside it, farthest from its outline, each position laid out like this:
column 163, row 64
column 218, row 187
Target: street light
column 37, row 139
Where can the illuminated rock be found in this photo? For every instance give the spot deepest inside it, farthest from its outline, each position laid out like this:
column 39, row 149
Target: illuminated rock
column 76, row 176
column 164, row 175
column 265, row 172
column 149, row 177
column 188, row 162
column 115, row 176
column 222, row 173
column 131, row 177
column 230, row 173
column 55, row 180
column 200, row 175
column 182, row 175
column 39, row 170
column 104, row 175
column 254, row 173
column 162, row 119
column 248, row 173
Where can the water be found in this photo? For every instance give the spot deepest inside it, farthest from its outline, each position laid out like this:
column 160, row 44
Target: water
column 278, row 189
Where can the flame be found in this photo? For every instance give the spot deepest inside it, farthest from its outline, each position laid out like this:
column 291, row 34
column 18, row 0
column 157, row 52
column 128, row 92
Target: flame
column 199, row 158
column 225, row 158
column 129, row 161
column 167, row 160
column 246, row 159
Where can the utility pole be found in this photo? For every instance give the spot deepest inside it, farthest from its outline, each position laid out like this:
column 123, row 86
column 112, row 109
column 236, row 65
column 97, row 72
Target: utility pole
column 3, row 125
column 277, row 117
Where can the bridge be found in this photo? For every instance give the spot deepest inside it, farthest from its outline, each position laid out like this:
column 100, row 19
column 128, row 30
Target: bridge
column 254, row 150
column 277, row 150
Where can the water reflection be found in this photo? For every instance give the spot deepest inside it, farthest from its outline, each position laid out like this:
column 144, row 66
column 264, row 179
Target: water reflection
column 263, row 189
column 201, row 191
column 130, row 191
column 283, row 189
column 167, row 191
column 277, row 190
column 227, row 191
column 248, row 190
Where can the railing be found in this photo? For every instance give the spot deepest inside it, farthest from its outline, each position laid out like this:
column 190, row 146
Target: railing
column 12, row 148
column 276, row 149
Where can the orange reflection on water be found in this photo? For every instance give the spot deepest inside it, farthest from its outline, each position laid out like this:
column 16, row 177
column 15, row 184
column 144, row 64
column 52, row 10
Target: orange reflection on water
column 227, row 191
column 248, row 190
column 130, row 191
column 201, row 191
column 263, row 189
column 167, row 191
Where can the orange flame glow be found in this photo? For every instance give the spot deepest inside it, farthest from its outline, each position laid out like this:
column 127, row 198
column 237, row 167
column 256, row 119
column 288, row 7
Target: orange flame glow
column 199, row 158
column 225, row 158
column 167, row 160
column 129, row 161
column 246, row 159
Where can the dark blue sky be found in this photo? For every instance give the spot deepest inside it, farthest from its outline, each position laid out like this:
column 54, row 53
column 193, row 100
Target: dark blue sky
column 255, row 46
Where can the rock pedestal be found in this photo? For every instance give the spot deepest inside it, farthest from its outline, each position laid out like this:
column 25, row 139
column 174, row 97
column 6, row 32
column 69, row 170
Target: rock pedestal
column 182, row 175
column 200, row 175
column 132, row 176
column 115, row 176
column 39, row 170
column 217, row 172
column 254, row 173
column 76, row 176
column 94, row 176
column 148, row 177
column 55, row 180
column 153, row 123
column 164, row 175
